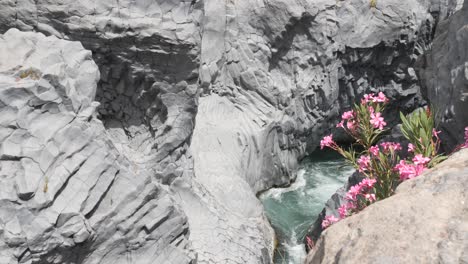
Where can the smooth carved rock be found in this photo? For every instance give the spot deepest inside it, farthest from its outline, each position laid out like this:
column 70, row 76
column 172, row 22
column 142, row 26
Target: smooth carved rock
column 424, row 222
column 68, row 195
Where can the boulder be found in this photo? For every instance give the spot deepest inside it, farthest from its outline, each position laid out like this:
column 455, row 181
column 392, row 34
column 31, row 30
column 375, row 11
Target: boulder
column 424, row 222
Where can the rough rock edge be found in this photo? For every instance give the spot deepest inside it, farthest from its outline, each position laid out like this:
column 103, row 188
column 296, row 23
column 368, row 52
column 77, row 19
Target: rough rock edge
column 424, row 222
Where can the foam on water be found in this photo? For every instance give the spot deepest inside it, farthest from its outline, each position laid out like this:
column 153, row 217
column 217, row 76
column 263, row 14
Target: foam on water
column 277, row 193
column 293, row 209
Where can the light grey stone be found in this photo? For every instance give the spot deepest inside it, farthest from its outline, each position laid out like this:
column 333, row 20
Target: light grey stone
column 200, row 106
column 65, row 186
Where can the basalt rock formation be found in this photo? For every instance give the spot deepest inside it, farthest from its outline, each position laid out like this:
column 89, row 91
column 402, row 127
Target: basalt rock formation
column 442, row 70
column 444, row 74
column 199, row 105
column 68, row 195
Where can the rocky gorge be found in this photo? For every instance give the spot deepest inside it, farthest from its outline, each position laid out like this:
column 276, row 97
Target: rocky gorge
column 141, row 131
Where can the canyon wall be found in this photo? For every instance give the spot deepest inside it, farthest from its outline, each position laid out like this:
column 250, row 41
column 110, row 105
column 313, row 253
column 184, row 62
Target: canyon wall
column 198, row 106
column 68, row 195
column 443, row 71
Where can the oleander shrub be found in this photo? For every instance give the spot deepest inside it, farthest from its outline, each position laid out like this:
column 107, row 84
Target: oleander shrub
column 380, row 163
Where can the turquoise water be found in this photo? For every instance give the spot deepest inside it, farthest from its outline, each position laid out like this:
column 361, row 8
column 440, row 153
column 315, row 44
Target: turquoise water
column 292, row 210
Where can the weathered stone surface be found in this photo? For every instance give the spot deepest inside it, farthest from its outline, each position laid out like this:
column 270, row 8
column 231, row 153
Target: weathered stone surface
column 444, row 72
column 424, row 222
column 147, row 53
column 273, row 77
column 68, row 195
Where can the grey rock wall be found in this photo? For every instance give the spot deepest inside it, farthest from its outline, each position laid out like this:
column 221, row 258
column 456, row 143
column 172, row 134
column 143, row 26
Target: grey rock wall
column 213, row 102
column 67, row 194
column 444, row 74
column 147, row 53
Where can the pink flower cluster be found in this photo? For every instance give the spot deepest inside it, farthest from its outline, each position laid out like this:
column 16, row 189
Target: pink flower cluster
column 466, row 138
column 436, row 133
column 327, row 141
column 377, row 121
column 358, row 196
column 421, row 160
column 364, row 163
column 409, row 171
column 386, row 148
column 390, row 146
column 355, row 197
column 374, row 150
column 364, row 189
column 310, row 243
column 349, row 118
column 329, row 220
column 380, row 98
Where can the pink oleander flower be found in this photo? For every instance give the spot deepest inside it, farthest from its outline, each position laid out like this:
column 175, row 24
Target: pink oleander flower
column 380, row 98
column 420, row 160
column 343, row 210
column 327, row 141
column 347, row 115
column 411, row 147
column 436, row 133
column 419, row 169
column 377, row 120
column 363, row 163
column 353, row 192
column 310, row 243
column 367, row 98
column 351, row 206
column 397, row 147
column 351, row 125
column 371, row 109
column 374, row 150
column 368, row 183
column 466, row 137
column 387, row 146
column 329, row 220
column 409, row 171
column 340, row 124
column 370, row 197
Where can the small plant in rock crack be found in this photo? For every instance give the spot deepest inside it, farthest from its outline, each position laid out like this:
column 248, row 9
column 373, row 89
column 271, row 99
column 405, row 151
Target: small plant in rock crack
column 380, row 163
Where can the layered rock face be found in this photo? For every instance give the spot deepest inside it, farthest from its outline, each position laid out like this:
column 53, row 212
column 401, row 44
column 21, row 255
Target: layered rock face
column 444, row 72
column 68, row 195
column 424, row 222
column 147, row 55
column 272, row 76
column 275, row 75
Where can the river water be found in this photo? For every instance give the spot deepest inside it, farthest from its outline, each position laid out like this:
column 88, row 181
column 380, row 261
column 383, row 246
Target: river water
column 292, row 210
